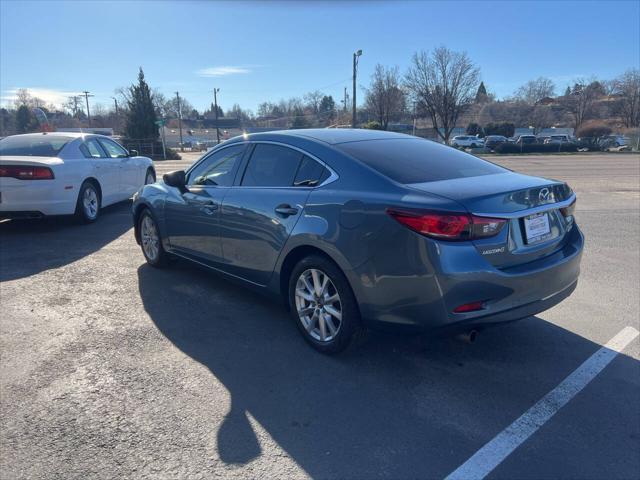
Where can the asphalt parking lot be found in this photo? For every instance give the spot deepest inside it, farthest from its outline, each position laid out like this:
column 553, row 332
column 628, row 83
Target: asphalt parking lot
column 112, row 369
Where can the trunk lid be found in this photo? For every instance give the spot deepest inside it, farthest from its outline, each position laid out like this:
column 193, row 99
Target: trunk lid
column 530, row 205
column 29, row 160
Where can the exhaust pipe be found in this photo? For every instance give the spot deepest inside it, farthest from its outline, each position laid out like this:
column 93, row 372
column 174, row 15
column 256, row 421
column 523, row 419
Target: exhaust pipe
column 468, row 337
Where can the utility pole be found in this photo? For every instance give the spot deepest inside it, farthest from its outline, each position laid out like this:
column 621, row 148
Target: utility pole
column 115, row 100
column 215, row 105
column 180, row 121
column 344, row 106
column 414, row 118
column 86, row 97
column 356, row 55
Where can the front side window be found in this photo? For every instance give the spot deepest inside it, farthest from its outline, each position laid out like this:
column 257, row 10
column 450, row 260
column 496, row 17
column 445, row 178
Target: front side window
column 113, row 149
column 271, row 166
column 33, row 145
column 92, row 149
column 219, row 168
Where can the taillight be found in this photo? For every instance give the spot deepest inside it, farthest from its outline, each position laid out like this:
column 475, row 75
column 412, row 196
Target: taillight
column 26, row 172
column 568, row 211
column 449, row 226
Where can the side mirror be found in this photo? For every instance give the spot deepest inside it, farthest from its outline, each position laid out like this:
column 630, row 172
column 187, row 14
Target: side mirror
column 133, row 153
column 175, row 179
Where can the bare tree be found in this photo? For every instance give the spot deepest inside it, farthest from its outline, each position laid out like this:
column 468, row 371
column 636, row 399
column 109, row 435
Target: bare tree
column 385, row 99
column 313, row 99
column 627, row 88
column 444, row 83
column 535, row 90
column 541, row 117
column 579, row 103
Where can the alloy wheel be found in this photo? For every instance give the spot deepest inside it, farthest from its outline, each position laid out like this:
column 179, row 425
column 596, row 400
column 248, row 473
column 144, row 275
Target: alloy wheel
column 150, row 238
column 90, row 203
column 318, row 305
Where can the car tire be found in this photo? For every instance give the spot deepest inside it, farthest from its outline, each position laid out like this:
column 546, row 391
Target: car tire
column 332, row 319
column 150, row 240
column 88, row 203
column 150, row 176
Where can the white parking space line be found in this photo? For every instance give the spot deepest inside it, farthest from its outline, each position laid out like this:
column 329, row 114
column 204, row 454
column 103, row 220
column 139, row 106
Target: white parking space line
column 502, row 445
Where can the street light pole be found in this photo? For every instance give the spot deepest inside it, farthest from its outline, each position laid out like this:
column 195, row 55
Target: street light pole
column 215, row 105
column 355, row 72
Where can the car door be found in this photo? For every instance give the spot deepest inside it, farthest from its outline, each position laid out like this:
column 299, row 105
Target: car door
column 128, row 169
column 192, row 216
column 106, row 170
column 259, row 213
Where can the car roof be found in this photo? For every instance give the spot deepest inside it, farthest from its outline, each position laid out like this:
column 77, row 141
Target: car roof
column 58, row 134
column 332, row 136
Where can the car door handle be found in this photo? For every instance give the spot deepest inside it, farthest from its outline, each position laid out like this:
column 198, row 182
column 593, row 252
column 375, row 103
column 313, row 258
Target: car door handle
column 286, row 210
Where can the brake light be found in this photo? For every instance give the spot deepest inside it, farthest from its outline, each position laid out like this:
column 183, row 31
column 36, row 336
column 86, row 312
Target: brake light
column 449, row 226
column 469, row 307
column 568, row 211
column 26, row 172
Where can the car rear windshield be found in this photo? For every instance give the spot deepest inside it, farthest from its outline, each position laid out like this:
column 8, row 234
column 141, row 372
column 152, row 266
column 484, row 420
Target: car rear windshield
column 417, row 160
column 33, row 145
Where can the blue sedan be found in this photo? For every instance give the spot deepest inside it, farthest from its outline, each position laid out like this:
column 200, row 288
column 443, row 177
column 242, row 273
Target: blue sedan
column 359, row 228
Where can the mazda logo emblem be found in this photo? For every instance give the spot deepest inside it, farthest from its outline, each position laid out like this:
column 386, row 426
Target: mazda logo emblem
column 544, row 195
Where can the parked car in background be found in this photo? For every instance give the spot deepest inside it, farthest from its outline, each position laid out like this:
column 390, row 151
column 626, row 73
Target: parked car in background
column 561, row 138
column 526, row 140
column 67, row 173
column 589, row 144
column 615, row 143
column 466, row 141
column 492, row 141
column 316, row 217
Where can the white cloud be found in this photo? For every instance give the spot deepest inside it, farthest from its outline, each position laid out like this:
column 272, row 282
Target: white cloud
column 222, row 71
column 48, row 95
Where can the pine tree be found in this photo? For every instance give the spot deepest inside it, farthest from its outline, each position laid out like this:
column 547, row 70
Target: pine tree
column 24, row 120
column 481, row 94
column 141, row 117
column 567, row 92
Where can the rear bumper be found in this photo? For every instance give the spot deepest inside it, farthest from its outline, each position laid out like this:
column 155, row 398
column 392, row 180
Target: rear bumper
column 454, row 275
column 21, row 198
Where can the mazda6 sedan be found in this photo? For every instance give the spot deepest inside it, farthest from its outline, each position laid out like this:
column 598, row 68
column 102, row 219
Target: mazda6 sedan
column 358, row 228
column 60, row 173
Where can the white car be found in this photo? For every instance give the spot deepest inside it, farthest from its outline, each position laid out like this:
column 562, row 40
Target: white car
column 60, row 173
column 466, row 141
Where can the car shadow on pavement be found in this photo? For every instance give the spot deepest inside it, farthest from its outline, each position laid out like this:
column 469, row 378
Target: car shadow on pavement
column 28, row 247
column 396, row 406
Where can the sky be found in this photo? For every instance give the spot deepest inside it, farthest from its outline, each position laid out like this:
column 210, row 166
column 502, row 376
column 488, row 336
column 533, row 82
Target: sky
column 267, row 51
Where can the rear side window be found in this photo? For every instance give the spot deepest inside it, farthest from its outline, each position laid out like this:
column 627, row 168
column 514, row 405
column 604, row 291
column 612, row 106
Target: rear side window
column 310, row 173
column 415, row 160
column 271, row 166
column 92, row 149
column 33, row 145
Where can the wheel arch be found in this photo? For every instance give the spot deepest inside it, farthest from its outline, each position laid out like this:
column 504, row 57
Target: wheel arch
column 95, row 181
column 290, row 260
column 137, row 211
